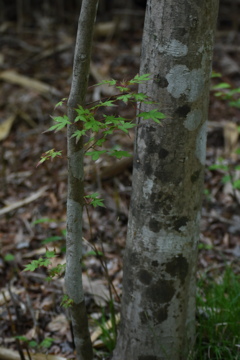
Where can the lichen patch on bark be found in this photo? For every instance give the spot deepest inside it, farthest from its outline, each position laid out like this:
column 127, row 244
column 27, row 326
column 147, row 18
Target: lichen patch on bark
column 201, row 144
column 193, row 120
column 182, row 81
column 174, row 48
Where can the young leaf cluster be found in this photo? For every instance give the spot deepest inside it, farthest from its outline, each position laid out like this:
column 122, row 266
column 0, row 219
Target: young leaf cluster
column 46, row 343
column 41, row 262
column 226, row 92
column 94, row 200
column 99, row 127
column 66, row 301
column 49, row 155
column 228, row 172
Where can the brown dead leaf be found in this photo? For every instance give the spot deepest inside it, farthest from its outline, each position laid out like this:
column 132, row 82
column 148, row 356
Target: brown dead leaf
column 59, row 324
column 230, row 134
column 97, row 288
column 5, row 127
column 108, row 325
column 23, row 202
column 13, row 77
column 6, row 354
column 5, row 295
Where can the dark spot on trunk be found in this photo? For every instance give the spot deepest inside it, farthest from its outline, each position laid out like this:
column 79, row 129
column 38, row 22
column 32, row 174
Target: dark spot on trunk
column 182, row 221
column 128, row 284
column 143, row 317
column 195, row 176
column 131, row 257
column 183, row 98
column 155, row 225
column 145, row 277
column 164, row 176
column 183, row 111
column 163, row 153
column 166, row 210
column 150, row 129
column 181, row 32
column 161, row 81
column 178, row 267
column 148, row 169
column 160, row 292
column 155, row 263
column 147, row 357
column 160, row 315
column 162, row 201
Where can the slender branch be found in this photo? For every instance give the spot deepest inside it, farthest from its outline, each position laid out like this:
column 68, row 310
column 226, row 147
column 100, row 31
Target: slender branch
column 75, row 201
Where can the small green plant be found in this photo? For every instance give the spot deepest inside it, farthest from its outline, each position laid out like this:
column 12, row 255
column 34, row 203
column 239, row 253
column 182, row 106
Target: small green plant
column 54, row 238
column 97, row 128
column 41, row 262
column 49, row 155
column 9, row 257
column 225, row 91
column 218, row 329
column 66, row 301
column 33, row 344
column 94, row 200
column 228, row 172
column 107, row 336
column 45, row 262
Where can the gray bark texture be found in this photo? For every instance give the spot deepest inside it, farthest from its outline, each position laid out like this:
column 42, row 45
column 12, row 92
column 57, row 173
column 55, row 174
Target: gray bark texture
column 75, row 200
column 158, row 303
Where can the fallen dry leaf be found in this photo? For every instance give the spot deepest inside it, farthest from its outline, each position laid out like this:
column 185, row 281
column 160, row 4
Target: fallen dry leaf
column 59, row 324
column 5, row 127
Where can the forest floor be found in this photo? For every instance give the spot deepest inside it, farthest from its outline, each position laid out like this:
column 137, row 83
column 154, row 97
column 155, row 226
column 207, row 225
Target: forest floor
column 29, row 306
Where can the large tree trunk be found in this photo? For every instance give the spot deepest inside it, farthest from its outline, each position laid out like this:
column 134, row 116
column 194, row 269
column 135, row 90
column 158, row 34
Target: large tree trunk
column 158, row 304
column 73, row 277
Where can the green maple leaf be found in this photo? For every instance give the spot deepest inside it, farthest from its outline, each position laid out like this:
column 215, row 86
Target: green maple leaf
column 140, row 97
column 107, row 103
column 119, row 154
column 95, row 200
column 125, row 98
column 138, row 79
column 125, row 126
column 50, row 254
column 95, row 155
column 107, row 82
column 32, row 266
column 60, row 103
column 62, row 121
column 78, row 134
column 154, row 115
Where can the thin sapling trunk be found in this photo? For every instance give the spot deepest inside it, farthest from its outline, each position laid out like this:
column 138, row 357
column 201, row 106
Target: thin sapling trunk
column 75, row 199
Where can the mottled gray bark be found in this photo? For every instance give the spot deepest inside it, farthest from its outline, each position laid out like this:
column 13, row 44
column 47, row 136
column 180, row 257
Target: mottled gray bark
column 73, row 277
column 158, row 304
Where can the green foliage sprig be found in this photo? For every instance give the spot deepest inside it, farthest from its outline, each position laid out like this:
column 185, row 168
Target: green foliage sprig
column 49, row 155
column 45, row 344
column 98, row 127
column 66, row 301
column 225, row 91
column 94, row 129
column 41, row 262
